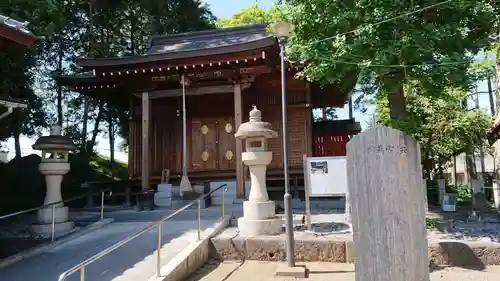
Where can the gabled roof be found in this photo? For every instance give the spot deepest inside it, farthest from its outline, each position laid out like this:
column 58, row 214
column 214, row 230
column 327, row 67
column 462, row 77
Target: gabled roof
column 16, row 31
column 208, row 39
column 194, row 44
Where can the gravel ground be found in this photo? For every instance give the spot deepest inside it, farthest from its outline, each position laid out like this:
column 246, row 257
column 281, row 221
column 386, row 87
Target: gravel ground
column 480, row 226
column 264, row 271
column 483, row 227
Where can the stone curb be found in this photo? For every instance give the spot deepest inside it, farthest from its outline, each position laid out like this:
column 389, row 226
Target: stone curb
column 46, row 247
column 193, row 257
column 449, row 253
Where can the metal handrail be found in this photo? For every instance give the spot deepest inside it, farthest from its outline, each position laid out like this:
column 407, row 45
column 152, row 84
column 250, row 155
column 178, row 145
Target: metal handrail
column 54, row 204
column 50, row 204
column 81, row 267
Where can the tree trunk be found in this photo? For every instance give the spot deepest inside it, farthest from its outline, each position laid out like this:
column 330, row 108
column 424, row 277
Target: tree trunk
column 471, row 166
column 111, row 133
column 17, row 144
column 393, row 85
column 59, row 87
column 496, row 145
column 454, row 172
column 95, row 132
column 133, row 21
column 84, row 125
column 492, row 98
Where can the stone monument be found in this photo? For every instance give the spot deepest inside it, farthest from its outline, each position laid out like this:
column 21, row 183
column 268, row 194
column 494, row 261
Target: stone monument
column 259, row 213
column 388, row 206
column 54, row 165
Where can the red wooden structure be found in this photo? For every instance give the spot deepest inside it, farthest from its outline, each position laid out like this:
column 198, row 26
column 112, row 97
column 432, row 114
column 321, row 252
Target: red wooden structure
column 331, row 137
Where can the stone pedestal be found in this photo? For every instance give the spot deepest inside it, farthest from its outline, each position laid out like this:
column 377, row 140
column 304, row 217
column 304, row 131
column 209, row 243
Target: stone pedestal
column 259, row 213
column 53, row 173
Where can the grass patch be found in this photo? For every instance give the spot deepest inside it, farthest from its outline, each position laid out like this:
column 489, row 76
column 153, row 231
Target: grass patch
column 434, row 224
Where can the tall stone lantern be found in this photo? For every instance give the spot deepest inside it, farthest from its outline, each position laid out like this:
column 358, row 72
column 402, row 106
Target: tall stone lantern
column 259, row 213
column 54, row 165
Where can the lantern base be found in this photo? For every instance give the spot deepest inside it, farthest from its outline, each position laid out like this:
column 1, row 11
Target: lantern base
column 45, row 230
column 259, row 210
column 271, row 226
column 60, row 215
column 259, row 218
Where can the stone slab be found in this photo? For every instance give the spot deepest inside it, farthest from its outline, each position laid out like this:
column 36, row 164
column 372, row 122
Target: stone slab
column 387, row 206
column 296, row 272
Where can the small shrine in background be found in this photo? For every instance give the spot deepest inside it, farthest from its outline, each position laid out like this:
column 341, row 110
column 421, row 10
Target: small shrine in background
column 229, row 70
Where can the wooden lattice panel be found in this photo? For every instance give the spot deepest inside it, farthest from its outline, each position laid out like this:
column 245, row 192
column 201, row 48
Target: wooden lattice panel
column 297, row 130
column 165, row 146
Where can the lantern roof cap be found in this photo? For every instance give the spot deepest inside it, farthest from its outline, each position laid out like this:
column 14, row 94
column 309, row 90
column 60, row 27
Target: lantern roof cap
column 54, row 141
column 255, row 127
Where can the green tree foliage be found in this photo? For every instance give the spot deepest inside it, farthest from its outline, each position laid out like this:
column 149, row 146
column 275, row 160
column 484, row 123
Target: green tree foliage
column 442, row 126
column 249, row 15
column 119, row 28
column 18, row 74
column 371, row 40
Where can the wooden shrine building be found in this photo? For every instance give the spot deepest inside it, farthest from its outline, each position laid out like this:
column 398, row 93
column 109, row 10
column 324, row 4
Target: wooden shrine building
column 229, row 71
column 14, row 33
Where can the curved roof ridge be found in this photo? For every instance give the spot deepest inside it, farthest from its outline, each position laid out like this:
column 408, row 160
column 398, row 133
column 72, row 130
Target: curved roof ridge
column 208, row 33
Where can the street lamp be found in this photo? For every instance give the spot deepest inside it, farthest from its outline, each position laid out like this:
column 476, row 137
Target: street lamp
column 282, row 31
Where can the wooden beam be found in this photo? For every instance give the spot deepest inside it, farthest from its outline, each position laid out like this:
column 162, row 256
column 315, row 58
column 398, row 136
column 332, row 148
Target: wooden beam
column 309, row 123
column 197, row 91
column 238, row 119
column 146, row 172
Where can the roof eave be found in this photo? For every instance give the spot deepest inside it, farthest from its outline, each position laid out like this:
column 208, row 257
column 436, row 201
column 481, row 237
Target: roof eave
column 16, row 31
column 107, row 62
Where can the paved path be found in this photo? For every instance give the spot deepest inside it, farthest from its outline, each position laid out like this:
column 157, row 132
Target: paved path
column 135, row 261
column 264, row 271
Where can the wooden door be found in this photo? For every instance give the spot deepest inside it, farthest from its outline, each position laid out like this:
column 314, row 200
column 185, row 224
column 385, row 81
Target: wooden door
column 226, row 144
column 203, row 144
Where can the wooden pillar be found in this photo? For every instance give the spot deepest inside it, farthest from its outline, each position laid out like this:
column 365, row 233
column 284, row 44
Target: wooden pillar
column 309, row 122
column 238, row 119
column 146, row 113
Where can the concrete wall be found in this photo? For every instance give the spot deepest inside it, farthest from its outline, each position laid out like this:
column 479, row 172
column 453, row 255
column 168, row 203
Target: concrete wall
column 193, row 257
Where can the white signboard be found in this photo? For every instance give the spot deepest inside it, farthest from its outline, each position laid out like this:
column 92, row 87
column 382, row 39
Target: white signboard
column 326, row 176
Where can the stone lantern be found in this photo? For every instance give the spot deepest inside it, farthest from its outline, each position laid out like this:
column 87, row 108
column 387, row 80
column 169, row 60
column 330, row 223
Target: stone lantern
column 259, row 213
column 54, row 165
